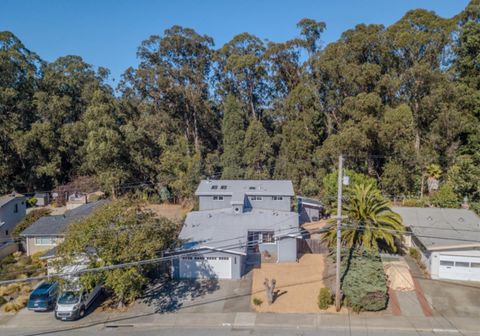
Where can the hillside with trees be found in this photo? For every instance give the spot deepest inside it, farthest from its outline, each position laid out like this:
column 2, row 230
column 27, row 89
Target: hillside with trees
column 402, row 103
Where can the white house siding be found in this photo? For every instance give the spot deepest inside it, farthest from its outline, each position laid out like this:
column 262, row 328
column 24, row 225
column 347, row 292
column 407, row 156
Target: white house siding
column 9, row 217
column 33, row 247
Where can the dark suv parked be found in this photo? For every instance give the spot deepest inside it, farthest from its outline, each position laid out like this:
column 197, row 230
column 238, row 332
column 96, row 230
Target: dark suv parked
column 44, row 297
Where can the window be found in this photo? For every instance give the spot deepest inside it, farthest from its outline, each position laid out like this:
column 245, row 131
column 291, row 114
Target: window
column 223, row 187
column 6, row 232
column 267, row 237
column 218, row 198
column 199, row 258
column 251, row 188
column 223, row 258
column 462, row 264
column 214, row 187
column 277, row 198
column 256, row 198
column 46, row 241
column 15, row 209
column 475, row 265
column 446, row 263
column 211, row 258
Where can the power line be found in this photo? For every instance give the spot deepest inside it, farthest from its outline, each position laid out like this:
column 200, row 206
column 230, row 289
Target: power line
column 178, row 253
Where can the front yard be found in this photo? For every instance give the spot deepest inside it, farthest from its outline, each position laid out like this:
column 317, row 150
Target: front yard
column 298, row 285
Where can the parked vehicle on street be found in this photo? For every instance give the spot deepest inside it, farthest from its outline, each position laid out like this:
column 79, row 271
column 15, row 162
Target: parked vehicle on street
column 72, row 304
column 44, row 297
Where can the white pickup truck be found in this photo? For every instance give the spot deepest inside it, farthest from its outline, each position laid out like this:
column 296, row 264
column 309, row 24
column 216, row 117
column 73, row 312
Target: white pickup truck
column 72, row 304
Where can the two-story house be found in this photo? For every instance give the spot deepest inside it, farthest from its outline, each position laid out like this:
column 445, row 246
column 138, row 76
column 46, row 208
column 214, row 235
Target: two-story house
column 12, row 209
column 239, row 224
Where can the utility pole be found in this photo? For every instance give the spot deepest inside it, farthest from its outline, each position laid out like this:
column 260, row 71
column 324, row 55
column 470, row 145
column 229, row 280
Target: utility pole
column 339, row 232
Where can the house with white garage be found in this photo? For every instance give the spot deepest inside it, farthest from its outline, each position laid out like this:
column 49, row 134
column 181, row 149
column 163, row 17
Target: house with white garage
column 239, row 224
column 448, row 239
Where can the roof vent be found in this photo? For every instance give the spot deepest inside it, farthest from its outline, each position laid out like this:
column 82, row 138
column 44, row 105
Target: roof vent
column 429, row 218
column 461, row 219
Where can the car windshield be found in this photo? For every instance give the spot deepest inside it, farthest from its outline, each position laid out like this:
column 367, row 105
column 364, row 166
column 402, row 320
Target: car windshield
column 35, row 296
column 69, row 297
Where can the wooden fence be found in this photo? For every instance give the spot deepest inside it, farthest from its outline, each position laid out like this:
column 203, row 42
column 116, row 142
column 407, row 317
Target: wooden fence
column 315, row 246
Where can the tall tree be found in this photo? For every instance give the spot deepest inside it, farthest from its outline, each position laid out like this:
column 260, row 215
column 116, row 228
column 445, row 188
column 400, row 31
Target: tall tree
column 233, row 131
column 242, row 71
column 258, row 152
column 370, row 223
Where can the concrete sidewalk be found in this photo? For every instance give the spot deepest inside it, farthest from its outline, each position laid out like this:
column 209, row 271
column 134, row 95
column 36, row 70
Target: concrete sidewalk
column 359, row 322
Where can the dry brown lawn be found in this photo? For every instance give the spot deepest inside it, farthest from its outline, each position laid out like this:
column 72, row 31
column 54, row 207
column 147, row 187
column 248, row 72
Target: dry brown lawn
column 313, row 227
column 174, row 212
column 298, row 285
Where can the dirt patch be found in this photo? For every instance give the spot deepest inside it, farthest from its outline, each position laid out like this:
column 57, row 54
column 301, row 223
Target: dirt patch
column 314, row 227
column 174, row 212
column 398, row 274
column 298, row 285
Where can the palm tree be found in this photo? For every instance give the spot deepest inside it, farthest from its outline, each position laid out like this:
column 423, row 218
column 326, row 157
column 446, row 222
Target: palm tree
column 370, row 222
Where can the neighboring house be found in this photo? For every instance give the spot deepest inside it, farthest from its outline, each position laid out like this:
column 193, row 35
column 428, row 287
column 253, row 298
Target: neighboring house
column 43, row 199
column 76, row 199
column 448, row 239
column 49, row 231
column 239, row 224
column 12, row 209
column 309, row 209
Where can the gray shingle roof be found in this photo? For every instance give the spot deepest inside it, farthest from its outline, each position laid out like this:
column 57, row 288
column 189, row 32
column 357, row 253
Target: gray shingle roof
column 225, row 230
column 440, row 228
column 310, row 201
column 248, row 187
column 57, row 224
column 7, row 198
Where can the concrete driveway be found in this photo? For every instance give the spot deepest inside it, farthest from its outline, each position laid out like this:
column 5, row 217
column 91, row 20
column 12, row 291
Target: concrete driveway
column 197, row 296
column 448, row 298
column 455, row 299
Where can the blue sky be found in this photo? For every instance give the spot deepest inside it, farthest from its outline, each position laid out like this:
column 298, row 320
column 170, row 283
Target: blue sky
column 108, row 32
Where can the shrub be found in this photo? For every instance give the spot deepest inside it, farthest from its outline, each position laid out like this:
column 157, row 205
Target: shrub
column 9, row 289
column 415, row 203
column 475, row 207
column 32, row 201
column 10, row 259
column 325, row 298
column 364, row 282
column 257, row 301
column 415, row 253
column 445, row 197
column 2, row 301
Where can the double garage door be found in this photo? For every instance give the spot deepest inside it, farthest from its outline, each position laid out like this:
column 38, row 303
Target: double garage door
column 205, row 267
column 459, row 268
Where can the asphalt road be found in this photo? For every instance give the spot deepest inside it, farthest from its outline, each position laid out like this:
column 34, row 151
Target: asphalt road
column 152, row 331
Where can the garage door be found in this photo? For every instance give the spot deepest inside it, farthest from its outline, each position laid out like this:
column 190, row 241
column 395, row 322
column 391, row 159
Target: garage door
column 459, row 268
column 206, row 267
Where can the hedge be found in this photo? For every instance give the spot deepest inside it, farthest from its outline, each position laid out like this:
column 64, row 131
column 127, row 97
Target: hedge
column 364, row 282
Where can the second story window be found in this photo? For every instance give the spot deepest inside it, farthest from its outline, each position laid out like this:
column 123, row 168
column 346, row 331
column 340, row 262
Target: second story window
column 256, row 198
column 223, row 187
column 218, row 198
column 214, row 187
column 277, row 198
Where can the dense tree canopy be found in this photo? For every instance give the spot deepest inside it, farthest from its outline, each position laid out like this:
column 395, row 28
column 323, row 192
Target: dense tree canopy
column 394, row 100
